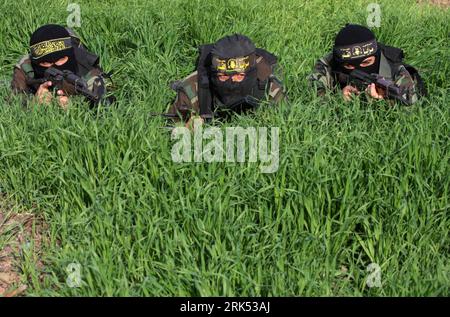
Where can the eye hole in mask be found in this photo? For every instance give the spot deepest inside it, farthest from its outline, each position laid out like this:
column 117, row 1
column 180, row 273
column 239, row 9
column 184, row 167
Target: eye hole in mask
column 59, row 62
column 237, row 77
column 365, row 63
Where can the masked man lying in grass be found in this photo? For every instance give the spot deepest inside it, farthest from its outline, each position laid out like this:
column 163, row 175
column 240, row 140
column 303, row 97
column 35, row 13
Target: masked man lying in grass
column 58, row 63
column 356, row 55
column 232, row 76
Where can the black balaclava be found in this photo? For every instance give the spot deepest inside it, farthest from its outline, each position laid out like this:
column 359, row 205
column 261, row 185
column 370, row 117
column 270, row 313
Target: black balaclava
column 50, row 43
column 231, row 55
column 353, row 44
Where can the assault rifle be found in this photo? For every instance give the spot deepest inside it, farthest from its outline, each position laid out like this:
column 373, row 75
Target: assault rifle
column 59, row 78
column 361, row 80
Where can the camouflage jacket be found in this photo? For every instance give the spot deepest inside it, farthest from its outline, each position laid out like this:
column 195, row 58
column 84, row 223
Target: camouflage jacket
column 187, row 101
column 24, row 71
column 324, row 80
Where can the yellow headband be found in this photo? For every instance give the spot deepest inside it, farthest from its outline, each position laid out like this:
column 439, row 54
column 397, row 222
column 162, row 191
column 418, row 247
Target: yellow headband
column 356, row 50
column 41, row 49
column 232, row 65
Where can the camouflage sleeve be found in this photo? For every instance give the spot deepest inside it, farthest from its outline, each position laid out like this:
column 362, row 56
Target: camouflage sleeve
column 406, row 83
column 19, row 82
column 277, row 92
column 181, row 107
column 321, row 78
column 186, row 103
column 97, row 83
column 20, row 88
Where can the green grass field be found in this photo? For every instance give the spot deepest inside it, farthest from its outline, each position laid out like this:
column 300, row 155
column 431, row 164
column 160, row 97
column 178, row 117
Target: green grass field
column 357, row 183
